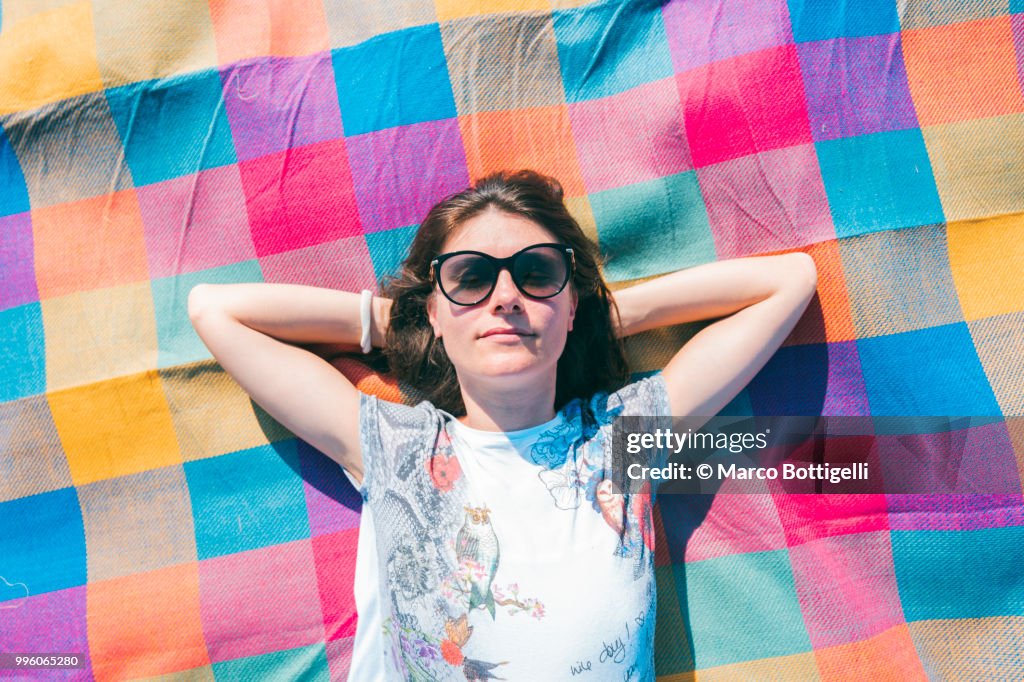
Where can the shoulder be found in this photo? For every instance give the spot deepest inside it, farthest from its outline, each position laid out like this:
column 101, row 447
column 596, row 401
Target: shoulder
column 647, row 396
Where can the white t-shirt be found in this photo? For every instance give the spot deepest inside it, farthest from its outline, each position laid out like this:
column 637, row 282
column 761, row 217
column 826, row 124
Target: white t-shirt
column 504, row 555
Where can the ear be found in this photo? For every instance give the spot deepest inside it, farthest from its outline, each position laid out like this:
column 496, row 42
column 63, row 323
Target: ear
column 572, row 309
column 432, row 314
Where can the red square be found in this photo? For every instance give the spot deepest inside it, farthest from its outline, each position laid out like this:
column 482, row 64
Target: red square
column 300, row 197
column 335, row 556
column 744, row 105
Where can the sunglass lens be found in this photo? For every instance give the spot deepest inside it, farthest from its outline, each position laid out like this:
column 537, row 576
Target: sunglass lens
column 467, row 278
column 541, row 271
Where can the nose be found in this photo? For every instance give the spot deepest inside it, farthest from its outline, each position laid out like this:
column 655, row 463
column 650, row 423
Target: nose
column 506, row 294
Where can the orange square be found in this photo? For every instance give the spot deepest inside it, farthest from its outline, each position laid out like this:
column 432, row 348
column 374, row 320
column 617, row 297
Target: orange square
column 278, row 28
column 777, row 668
column 962, row 71
column 48, row 57
column 116, row 427
column 834, row 322
column 146, row 624
column 539, row 139
column 889, row 655
column 89, row 244
column 985, row 257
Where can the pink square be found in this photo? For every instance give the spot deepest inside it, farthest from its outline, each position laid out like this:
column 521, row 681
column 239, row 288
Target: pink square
column 341, row 264
column 744, row 105
column 772, row 201
column 260, row 601
column 300, row 197
column 703, row 31
column 339, row 658
column 812, row 517
column 631, row 137
column 195, row 222
column 847, row 587
column 336, row 573
column 737, row 523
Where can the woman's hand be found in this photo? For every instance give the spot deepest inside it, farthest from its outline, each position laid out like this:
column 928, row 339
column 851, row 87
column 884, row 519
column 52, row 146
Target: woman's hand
column 760, row 300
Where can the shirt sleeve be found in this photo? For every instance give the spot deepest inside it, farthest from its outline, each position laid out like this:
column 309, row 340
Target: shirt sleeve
column 641, row 407
column 392, row 435
column 647, row 397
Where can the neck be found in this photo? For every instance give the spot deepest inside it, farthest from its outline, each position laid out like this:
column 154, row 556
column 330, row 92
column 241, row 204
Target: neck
column 508, row 409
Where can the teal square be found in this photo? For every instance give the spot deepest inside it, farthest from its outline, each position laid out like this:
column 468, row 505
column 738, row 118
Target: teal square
column 879, row 182
column 173, row 126
column 176, row 337
column 653, row 227
column 742, row 607
column 303, row 664
column 22, row 352
column 389, row 248
column 247, row 499
column 955, row 574
column 607, row 48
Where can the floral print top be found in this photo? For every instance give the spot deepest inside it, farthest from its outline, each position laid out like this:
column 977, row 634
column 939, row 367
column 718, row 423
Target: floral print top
column 510, row 555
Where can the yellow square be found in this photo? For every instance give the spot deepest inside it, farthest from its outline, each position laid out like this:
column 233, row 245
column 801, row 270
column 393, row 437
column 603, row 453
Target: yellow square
column 978, row 166
column 114, row 428
column 985, row 257
column 138, row 40
column 94, row 335
column 992, row 645
column 454, row 9
column 48, row 57
column 212, row 415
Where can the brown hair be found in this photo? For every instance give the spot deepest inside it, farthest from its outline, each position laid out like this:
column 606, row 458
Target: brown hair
column 593, row 358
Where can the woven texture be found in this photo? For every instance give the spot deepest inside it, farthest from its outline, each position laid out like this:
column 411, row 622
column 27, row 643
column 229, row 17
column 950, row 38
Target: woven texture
column 156, row 521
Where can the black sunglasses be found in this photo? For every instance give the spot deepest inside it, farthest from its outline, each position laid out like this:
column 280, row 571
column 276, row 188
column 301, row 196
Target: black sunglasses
column 468, row 277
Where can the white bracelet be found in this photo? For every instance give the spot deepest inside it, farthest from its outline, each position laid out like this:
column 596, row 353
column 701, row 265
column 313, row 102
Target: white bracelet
column 365, row 318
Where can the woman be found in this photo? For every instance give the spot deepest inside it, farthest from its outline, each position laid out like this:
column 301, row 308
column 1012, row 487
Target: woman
column 500, row 550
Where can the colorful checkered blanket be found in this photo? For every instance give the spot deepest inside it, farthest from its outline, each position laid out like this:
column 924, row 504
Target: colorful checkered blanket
column 154, row 521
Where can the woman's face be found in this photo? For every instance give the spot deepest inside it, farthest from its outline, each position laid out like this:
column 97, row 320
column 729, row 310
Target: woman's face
column 532, row 349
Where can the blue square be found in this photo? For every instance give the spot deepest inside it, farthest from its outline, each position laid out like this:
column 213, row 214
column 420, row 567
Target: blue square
column 824, row 19
column 172, row 127
column 952, row 574
column 794, row 382
column 727, row 624
column 247, row 499
column 395, row 79
column 879, row 182
column 926, row 372
column 176, row 338
column 653, row 227
column 1016, row 6
column 389, row 248
column 13, row 191
column 42, row 544
column 607, row 48
column 22, row 352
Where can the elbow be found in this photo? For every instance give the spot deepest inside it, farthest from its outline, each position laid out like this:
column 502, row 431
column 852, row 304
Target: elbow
column 196, row 300
column 804, row 272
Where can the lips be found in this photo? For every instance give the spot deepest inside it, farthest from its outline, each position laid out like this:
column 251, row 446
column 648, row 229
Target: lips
column 507, row 331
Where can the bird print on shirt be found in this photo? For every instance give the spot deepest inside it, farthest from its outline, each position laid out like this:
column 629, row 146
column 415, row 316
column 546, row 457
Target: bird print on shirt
column 477, row 543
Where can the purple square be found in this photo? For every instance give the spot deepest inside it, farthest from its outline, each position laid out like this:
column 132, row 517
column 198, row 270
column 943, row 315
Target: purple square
column 856, row 86
column 276, row 103
column 52, row 622
column 400, row 173
column 195, row 222
column 770, row 201
column 631, row 137
column 845, row 395
column 17, row 261
column 332, row 502
column 705, row 31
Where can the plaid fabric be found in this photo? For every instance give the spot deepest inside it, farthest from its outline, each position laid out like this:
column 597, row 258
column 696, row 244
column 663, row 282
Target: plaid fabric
column 157, row 522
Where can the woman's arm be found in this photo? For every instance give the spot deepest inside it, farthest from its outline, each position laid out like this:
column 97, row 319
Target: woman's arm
column 249, row 329
column 760, row 300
